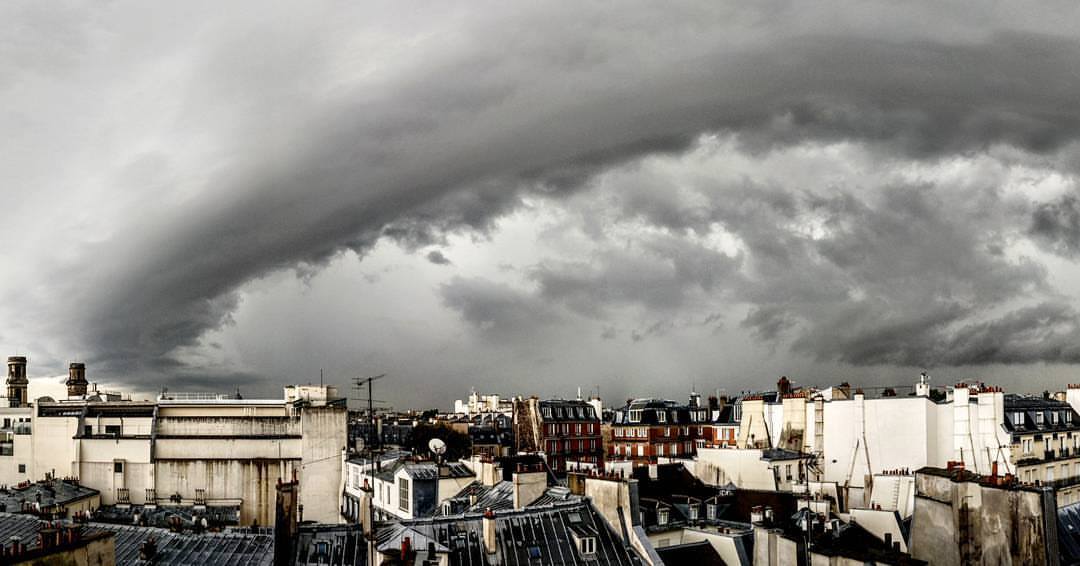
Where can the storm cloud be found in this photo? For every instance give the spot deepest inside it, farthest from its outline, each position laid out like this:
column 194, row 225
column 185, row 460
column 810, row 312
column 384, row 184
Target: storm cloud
column 162, row 162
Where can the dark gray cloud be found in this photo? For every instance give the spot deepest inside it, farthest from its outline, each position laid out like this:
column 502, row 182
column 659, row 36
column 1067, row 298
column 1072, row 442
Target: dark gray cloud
column 498, row 310
column 284, row 140
column 437, row 257
column 1057, row 225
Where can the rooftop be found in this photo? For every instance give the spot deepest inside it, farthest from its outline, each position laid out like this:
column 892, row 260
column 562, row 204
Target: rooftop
column 217, row 549
column 543, row 535
column 43, row 497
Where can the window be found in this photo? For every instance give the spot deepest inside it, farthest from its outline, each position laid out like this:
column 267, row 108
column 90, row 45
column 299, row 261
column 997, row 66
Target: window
column 547, row 412
column 588, row 545
column 661, row 416
column 1054, row 417
column 403, row 494
column 659, row 449
column 22, row 468
column 710, row 511
column 1049, row 473
column 693, row 512
column 118, row 467
column 1038, row 417
column 112, row 430
column 635, row 415
column 787, row 471
column 577, row 428
column 667, row 431
column 88, row 430
column 661, row 517
column 640, row 450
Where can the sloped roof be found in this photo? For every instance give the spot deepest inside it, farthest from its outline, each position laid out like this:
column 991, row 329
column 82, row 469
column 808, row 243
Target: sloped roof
column 334, row 545
column 212, row 549
column 43, row 493
column 542, row 535
column 699, row 553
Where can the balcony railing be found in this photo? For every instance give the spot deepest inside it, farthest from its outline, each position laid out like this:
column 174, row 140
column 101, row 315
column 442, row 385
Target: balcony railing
column 1063, row 482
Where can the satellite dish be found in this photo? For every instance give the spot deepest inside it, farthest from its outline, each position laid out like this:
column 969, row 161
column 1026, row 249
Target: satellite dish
column 437, row 446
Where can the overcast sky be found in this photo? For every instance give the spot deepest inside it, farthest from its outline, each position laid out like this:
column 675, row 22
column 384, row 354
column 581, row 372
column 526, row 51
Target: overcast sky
column 529, row 198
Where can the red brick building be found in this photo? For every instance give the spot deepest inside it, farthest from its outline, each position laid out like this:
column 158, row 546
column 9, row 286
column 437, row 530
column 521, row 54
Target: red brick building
column 647, row 429
column 565, row 431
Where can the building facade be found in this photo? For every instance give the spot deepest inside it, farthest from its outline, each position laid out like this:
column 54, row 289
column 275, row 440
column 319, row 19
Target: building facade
column 182, row 450
column 563, row 430
column 647, row 429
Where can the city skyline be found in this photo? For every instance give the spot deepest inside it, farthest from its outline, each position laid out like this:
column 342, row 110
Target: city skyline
column 640, row 198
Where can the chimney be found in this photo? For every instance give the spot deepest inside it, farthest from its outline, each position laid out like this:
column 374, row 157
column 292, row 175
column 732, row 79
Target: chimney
column 757, row 514
column 365, row 509
column 528, row 486
column 489, row 531
column 406, row 549
column 285, row 522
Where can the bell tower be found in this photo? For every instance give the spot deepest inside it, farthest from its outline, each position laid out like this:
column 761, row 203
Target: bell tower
column 16, row 381
column 76, row 381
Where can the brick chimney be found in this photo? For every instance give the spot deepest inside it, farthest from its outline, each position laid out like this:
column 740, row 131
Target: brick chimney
column 489, row 531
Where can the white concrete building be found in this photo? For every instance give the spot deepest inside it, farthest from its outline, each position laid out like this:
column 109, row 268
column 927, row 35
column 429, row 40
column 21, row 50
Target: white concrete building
column 190, row 450
column 852, row 437
column 478, row 404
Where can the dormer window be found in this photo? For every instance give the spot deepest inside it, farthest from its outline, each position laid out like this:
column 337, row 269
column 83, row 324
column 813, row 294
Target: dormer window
column 661, row 517
column 661, row 416
column 1039, row 418
column 587, row 545
column 635, row 415
column 547, row 412
column 693, row 512
column 1054, row 417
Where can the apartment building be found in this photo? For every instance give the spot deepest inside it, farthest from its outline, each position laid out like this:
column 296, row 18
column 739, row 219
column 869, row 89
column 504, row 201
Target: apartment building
column 1045, row 444
column 563, row 430
column 647, row 429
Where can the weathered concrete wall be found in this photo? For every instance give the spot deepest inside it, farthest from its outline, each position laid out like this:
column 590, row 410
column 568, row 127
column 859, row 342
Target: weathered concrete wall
column 793, row 434
column 54, row 447
column 252, row 481
column 754, row 430
column 229, row 426
column 528, row 487
column 324, row 444
column 228, row 448
column 744, row 468
column 963, row 522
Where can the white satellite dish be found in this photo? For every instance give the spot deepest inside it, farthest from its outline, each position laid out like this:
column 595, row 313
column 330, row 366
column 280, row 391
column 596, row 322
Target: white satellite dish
column 437, row 446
